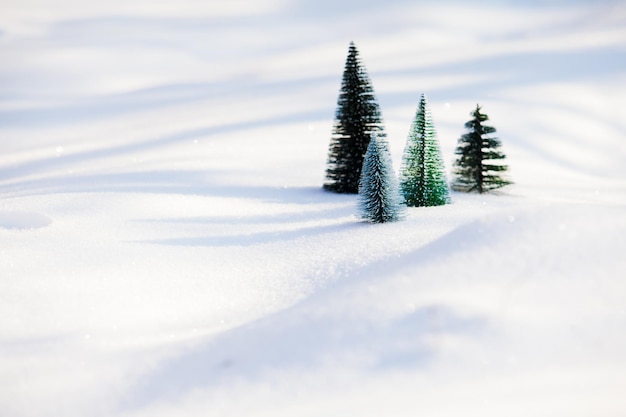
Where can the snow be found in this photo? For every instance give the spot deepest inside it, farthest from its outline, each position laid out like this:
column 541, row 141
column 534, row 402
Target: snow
column 166, row 248
column 22, row 220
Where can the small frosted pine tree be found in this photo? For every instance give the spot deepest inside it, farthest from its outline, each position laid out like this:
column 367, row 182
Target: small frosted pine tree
column 356, row 118
column 379, row 195
column 479, row 164
column 422, row 176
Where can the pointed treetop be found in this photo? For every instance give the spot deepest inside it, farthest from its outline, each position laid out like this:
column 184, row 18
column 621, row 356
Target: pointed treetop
column 476, row 113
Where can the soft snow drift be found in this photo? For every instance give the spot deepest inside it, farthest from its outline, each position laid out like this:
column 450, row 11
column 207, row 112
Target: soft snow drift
column 166, row 248
column 22, row 220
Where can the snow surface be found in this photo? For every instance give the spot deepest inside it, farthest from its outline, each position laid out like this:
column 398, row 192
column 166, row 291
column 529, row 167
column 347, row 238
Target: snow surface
column 166, row 248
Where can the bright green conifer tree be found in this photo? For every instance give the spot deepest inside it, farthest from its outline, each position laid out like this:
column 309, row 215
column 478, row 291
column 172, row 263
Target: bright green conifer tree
column 422, row 175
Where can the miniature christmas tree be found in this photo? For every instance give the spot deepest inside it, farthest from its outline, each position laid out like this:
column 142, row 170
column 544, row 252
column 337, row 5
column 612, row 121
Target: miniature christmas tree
column 356, row 118
column 379, row 195
column 422, row 177
column 479, row 164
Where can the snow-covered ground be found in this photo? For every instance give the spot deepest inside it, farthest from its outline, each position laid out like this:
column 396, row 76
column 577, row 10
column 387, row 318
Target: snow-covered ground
column 166, row 248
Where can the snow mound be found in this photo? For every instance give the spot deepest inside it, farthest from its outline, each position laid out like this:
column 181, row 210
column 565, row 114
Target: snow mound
column 503, row 298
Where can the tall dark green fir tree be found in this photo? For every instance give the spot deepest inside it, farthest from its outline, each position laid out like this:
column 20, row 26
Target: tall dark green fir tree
column 379, row 194
column 479, row 165
column 356, row 118
column 422, row 175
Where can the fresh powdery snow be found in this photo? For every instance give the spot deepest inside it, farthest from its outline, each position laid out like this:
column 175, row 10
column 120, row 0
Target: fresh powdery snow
column 166, row 248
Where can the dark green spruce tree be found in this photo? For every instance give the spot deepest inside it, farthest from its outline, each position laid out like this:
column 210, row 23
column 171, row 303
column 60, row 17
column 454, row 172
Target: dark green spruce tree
column 423, row 175
column 479, row 167
column 356, row 118
column 379, row 194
